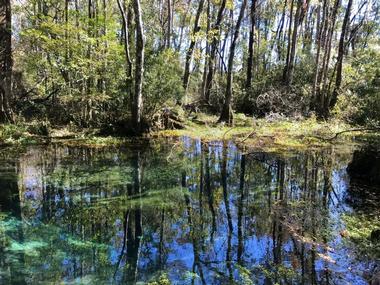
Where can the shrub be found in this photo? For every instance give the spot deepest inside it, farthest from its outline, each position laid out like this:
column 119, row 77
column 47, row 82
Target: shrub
column 163, row 84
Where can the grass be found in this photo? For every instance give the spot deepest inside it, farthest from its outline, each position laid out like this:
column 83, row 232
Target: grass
column 268, row 134
column 16, row 134
column 265, row 134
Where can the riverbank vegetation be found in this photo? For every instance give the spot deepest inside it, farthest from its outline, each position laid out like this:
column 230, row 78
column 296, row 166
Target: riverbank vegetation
column 130, row 67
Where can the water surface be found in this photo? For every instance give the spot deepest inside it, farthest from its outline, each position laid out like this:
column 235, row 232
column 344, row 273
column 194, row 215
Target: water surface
column 187, row 211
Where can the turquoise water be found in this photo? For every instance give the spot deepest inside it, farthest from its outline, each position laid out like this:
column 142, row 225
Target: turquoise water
column 185, row 212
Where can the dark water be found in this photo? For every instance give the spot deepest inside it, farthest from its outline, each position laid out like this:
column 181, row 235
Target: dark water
column 188, row 213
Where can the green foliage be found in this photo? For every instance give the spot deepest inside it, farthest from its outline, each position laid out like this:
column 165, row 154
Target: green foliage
column 360, row 227
column 163, row 279
column 362, row 76
column 163, row 85
column 80, row 65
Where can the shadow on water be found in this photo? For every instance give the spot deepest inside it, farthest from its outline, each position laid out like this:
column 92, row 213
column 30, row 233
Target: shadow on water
column 189, row 212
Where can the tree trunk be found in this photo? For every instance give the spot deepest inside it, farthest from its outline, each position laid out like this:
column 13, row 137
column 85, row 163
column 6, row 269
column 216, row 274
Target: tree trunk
column 169, row 24
column 5, row 60
column 341, row 51
column 183, row 25
column 125, row 38
column 190, row 51
column 139, row 70
column 214, row 47
column 323, row 105
column 280, row 32
column 289, row 41
column 317, row 58
column 226, row 115
column 129, row 67
column 289, row 68
column 207, row 52
column 248, row 83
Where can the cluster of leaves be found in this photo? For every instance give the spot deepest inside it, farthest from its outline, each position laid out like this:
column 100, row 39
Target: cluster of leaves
column 360, row 101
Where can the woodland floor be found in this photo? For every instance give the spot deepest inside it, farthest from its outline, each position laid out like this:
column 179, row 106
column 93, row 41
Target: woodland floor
column 264, row 134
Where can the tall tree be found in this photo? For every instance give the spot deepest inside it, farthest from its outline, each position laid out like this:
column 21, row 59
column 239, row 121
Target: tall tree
column 214, row 47
column 341, row 52
column 125, row 28
column 189, row 53
column 207, row 51
column 5, row 60
column 226, row 115
column 139, row 69
column 169, row 24
column 251, row 44
column 322, row 104
column 289, row 67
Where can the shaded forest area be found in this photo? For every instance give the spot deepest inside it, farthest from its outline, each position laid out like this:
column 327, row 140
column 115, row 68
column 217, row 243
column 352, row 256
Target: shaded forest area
column 99, row 63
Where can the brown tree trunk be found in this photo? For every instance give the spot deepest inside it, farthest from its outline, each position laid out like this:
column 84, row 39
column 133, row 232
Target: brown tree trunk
column 289, row 41
column 341, row 51
column 280, row 32
column 323, row 104
column 5, row 60
column 207, row 52
column 289, row 68
column 139, row 70
column 169, row 24
column 129, row 67
column 125, row 38
column 248, row 83
column 183, row 25
column 190, row 51
column 321, row 46
column 226, row 115
column 320, row 27
column 214, row 47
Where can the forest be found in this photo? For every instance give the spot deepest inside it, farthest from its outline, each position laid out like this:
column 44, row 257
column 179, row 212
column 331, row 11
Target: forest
column 188, row 142
column 126, row 64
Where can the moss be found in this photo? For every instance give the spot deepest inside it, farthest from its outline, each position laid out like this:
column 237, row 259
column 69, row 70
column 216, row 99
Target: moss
column 93, row 141
column 267, row 134
column 163, row 279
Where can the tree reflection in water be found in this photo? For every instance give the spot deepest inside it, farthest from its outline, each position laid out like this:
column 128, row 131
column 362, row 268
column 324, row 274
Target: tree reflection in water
column 203, row 213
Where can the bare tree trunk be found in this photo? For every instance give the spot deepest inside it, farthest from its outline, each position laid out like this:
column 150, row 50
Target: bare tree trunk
column 289, row 41
column 323, row 110
column 6, row 61
column 169, row 24
column 139, row 70
column 125, row 38
column 214, row 47
column 207, row 52
column 190, row 51
column 183, row 24
column 341, row 52
column 320, row 27
column 280, row 32
column 248, row 83
column 226, row 115
column 125, row 30
column 289, row 68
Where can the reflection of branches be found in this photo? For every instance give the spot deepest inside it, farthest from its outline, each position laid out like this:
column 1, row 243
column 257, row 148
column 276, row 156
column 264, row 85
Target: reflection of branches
column 209, row 193
column 125, row 226
column 192, row 234
column 171, row 150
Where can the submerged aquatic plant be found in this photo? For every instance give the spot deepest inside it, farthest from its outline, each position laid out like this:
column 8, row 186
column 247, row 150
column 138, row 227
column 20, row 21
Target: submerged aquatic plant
column 359, row 228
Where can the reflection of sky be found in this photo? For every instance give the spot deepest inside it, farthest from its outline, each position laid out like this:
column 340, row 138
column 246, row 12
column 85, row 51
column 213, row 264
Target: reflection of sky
column 179, row 245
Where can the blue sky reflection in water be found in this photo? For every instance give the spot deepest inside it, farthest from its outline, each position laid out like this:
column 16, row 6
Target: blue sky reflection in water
column 197, row 213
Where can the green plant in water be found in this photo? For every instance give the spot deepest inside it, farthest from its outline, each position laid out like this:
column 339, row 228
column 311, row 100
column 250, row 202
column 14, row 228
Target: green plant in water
column 359, row 228
column 163, row 279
